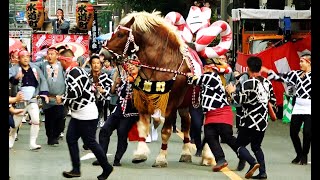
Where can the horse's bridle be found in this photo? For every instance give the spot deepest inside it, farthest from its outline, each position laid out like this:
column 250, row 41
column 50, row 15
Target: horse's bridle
column 130, row 39
column 136, row 48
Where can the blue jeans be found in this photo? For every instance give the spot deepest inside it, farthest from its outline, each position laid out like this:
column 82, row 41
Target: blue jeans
column 86, row 129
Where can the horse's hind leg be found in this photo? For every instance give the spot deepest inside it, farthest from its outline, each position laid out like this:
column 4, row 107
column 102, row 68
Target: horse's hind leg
column 185, row 128
column 161, row 160
column 142, row 152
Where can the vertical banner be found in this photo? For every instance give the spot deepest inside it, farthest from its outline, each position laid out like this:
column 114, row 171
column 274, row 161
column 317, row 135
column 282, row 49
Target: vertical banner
column 287, row 109
column 94, row 44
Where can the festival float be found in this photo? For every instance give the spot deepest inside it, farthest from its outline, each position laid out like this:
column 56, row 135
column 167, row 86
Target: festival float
column 278, row 37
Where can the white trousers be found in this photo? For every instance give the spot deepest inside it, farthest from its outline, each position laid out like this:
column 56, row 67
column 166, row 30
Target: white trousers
column 34, row 112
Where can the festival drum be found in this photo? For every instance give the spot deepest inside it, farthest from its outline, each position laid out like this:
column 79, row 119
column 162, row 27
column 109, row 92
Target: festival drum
column 84, row 15
column 35, row 13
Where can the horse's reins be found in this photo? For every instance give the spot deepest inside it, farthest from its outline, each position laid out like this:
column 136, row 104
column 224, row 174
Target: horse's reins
column 157, row 62
column 136, row 48
column 176, row 72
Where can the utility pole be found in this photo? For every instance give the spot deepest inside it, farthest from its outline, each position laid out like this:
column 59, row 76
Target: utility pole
column 223, row 9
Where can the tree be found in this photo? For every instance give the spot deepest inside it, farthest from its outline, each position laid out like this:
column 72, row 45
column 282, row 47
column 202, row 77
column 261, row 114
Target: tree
column 164, row 6
column 104, row 16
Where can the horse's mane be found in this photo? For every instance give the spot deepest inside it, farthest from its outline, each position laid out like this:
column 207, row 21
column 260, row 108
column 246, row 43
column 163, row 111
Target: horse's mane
column 145, row 22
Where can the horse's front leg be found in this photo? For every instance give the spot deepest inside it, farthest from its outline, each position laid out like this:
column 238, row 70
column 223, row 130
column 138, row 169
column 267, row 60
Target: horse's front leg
column 161, row 160
column 207, row 156
column 185, row 128
column 142, row 151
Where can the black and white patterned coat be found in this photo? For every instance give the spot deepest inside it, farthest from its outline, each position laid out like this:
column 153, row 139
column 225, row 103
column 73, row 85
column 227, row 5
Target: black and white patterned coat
column 302, row 84
column 212, row 91
column 78, row 89
column 254, row 96
column 105, row 82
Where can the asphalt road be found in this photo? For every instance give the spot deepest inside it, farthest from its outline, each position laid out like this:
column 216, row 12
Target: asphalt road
column 49, row 162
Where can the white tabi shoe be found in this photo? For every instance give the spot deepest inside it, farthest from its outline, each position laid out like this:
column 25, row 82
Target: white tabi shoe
column 154, row 134
column 148, row 139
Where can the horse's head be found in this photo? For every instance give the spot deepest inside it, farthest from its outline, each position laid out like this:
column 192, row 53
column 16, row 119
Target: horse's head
column 121, row 43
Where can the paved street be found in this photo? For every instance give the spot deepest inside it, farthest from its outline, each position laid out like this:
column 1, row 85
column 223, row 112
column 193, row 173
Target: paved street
column 49, row 162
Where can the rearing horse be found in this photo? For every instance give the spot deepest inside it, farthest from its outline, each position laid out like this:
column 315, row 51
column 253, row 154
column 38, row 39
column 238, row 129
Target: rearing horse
column 162, row 81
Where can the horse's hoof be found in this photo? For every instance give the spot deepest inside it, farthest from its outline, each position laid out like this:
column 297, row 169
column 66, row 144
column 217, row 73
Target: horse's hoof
column 206, row 162
column 185, row 158
column 160, row 164
column 136, row 160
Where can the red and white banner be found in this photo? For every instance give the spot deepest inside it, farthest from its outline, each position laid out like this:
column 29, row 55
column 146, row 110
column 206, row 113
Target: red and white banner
column 39, row 40
column 280, row 59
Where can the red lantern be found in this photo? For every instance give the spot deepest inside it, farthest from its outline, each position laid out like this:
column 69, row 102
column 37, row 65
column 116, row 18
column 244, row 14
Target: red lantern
column 84, row 15
column 35, row 14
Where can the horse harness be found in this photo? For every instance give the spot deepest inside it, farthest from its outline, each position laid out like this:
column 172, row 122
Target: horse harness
column 158, row 87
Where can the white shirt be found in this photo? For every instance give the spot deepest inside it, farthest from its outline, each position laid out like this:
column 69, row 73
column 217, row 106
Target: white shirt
column 89, row 112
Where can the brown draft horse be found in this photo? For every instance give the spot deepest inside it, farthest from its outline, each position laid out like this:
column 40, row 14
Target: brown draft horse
column 162, row 81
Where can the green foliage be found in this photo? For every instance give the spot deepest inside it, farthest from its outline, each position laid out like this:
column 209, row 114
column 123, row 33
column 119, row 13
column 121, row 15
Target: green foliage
column 16, row 1
column 104, row 17
column 164, row 6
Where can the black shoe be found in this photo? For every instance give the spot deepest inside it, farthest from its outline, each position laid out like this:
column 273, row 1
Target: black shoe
column 252, row 170
column 50, row 143
column 304, row 160
column 53, row 142
column 241, row 164
column 198, row 153
column 117, row 163
column 96, row 163
column 71, row 174
column 259, row 176
column 85, row 147
column 296, row 160
column 174, row 130
column 105, row 174
column 219, row 166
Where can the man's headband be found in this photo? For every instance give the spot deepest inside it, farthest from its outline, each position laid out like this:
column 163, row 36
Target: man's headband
column 23, row 53
column 303, row 58
column 15, row 51
column 67, row 59
column 134, row 62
